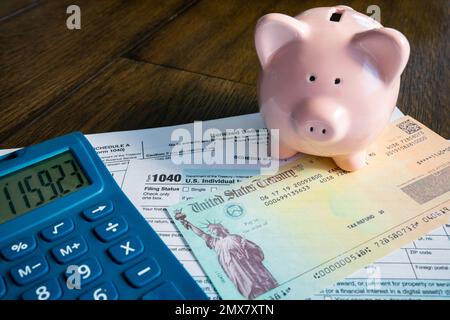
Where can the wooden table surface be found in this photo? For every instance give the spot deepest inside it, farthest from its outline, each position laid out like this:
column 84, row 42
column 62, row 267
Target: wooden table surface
column 142, row 64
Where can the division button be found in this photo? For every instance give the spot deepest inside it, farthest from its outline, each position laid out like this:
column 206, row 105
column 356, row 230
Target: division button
column 112, row 229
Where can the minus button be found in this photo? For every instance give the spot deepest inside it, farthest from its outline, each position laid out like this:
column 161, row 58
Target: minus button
column 143, row 273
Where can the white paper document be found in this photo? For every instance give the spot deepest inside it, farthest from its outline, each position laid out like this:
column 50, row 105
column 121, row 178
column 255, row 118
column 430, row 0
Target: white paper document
column 419, row 270
column 116, row 149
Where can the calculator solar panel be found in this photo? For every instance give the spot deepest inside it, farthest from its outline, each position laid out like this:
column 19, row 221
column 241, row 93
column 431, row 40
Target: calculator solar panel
column 67, row 231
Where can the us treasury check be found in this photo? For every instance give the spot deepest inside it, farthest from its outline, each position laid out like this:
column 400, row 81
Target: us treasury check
column 291, row 234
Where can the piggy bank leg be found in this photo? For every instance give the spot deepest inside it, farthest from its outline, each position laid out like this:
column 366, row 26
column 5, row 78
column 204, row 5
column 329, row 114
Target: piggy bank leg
column 351, row 162
column 285, row 152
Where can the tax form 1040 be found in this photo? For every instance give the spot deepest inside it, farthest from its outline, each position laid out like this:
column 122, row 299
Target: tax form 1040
column 420, row 270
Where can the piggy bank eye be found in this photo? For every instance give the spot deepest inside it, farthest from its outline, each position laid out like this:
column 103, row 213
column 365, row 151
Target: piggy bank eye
column 312, row 78
column 337, row 80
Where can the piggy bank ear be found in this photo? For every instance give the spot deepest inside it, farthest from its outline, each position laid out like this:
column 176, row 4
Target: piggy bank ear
column 385, row 51
column 273, row 31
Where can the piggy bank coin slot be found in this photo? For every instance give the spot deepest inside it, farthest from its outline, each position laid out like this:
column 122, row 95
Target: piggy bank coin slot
column 336, row 17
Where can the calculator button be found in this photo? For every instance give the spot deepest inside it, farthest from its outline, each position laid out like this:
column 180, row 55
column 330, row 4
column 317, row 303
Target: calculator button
column 126, row 250
column 143, row 273
column 49, row 290
column 2, row 287
column 70, row 250
column 86, row 272
column 30, row 270
column 166, row 291
column 105, row 291
column 112, row 229
column 19, row 248
column 98, row 211
column 58, row 230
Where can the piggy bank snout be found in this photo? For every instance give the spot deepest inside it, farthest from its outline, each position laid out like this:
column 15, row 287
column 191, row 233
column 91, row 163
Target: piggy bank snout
column 319, row 130
column 321, row 120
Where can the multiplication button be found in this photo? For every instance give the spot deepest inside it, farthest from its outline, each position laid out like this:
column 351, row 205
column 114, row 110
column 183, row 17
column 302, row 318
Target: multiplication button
column 126, row 250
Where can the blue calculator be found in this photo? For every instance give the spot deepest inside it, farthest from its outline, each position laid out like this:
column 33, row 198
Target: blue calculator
column 67, row 231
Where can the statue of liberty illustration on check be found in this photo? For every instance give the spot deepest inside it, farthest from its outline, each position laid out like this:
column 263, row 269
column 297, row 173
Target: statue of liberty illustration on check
column 241, row 259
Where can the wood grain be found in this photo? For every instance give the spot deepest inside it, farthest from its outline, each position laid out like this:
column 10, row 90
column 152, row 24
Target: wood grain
column 216, row 38
column 138, row 64
column 134, row 95
column 10, row 8
column 42, row 61
column 425, row 86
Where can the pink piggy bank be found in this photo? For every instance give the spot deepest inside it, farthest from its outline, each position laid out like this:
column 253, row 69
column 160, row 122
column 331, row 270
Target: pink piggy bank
column 329, row 81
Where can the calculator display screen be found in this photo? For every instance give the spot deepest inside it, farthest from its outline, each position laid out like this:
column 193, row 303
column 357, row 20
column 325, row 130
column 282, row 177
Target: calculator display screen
column 40, row 184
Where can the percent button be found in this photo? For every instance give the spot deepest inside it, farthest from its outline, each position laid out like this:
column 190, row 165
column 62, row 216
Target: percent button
column 19, row 248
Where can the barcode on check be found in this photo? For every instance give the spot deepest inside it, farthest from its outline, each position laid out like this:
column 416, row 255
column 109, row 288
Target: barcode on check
column 409, row 127
column 429, row 187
